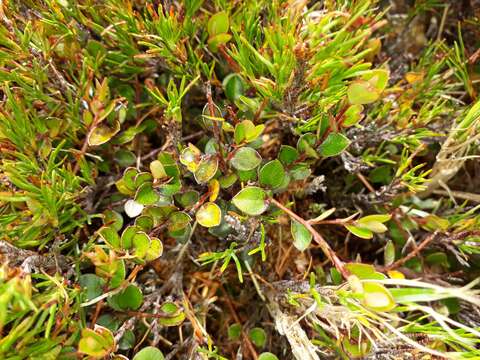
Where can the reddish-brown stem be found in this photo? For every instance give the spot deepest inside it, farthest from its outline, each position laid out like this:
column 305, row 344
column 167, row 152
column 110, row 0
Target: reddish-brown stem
column 331, row 222
column 84, row 148
column 365, row 182
column 216, row 129
column 233, row 65
column 141, row 314
column 260, row 109
column 414, row 252
column 428, row 240
column 237, row 319
column 327, row 250
column 98, row 309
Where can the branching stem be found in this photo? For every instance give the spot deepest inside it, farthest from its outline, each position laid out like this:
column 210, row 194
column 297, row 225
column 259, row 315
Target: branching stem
column 327, row 250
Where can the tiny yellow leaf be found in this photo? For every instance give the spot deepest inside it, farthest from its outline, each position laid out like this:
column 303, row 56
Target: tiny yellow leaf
column 214, row 189
column 394, row 274
column 209, row 215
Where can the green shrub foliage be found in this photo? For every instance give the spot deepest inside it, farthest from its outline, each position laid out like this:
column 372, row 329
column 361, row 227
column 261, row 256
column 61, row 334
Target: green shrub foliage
column 199, row 179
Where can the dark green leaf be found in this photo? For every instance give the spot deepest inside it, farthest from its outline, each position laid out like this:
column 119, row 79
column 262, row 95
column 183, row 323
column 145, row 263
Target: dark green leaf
column 146, row 195
column 334, row 145
column 258, row 336
column 288, row 154
column 272, row 174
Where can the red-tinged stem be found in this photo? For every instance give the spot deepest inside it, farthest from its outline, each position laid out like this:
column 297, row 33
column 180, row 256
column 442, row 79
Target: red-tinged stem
column 327, row 250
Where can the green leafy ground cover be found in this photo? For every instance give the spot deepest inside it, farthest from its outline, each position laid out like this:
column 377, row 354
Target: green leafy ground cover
column 239, row 180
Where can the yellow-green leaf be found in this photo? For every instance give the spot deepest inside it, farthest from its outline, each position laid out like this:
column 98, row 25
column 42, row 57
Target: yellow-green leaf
column 209, row 215
column 377, row 297
column 362, row 92
column 102, row 134
column 360, row 231
column 301, row 236
column 206, row 170
column 251, row 200
column 157, row 170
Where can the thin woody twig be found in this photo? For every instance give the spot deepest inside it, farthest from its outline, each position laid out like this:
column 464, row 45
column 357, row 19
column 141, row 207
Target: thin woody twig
column 365, row 182
column 428, row 240
column 414, row 253
column 152, row 153
column 327, row 250
column 237, row 319
column 216, row 129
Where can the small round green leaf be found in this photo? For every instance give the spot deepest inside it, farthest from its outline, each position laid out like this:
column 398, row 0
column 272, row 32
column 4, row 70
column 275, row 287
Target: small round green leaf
column 175, row 315
column 233, row 86
column 272, row 174
column 178, row 221
column 129, row 299
column 141, row 243
column 92, row 285
column 149, row 353
column 300, row 171
column 144, row 223
column 251, row 200
column 170, row 308
column 187, row 198
column 246, row 159
column 334, row 145
column 146, row 195
column 227, row 180
column 113, row 219
column 258, row 336
column 125, row 158
column 126, row 239
column 353, row 115
column 378, row 78
column 249, row 175
column 306, row 143
column 234, row 331
column 129, row 178
column 102, row 134
column 169, row 164
column 288, row 154
column 143, row 177
column 301, row 236
column 97, row 343
column 190, row 157
column 110, row 236
column 118, row 269
column 267, row 356
column 155, row 249
column 218, row 23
